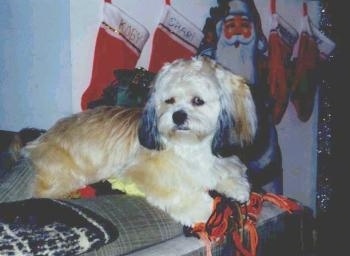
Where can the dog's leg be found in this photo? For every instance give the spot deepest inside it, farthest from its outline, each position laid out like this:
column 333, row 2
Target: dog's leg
column 57, row 175
column 161, row 178
column 194, row 208
column 233, row 181
column 186, row 206
column 236, row 188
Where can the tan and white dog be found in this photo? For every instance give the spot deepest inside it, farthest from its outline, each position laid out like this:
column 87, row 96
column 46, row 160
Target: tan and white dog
column 172, row 149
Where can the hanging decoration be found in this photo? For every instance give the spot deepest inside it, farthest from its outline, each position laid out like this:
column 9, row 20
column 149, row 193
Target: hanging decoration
column 305, row 77
column 281, row 41
column 119, row 43
column 175, row 37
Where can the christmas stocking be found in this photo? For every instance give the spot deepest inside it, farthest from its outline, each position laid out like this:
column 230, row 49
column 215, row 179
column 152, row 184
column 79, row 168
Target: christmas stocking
column 307, row 56
column 282, row 38
column 175, row 37
column 119, row 43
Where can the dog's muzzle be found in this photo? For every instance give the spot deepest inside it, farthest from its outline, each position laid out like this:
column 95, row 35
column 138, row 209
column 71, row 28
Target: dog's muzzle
column 179, row 118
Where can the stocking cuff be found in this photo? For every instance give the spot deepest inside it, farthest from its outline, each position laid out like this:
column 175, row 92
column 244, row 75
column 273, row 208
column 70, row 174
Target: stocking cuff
column 325, row 45
column 180, row 29
column 119, row 24
column 286, row 32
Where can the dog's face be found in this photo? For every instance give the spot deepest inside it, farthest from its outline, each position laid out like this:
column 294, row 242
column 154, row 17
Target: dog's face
column 193, row 100
column 187, row 103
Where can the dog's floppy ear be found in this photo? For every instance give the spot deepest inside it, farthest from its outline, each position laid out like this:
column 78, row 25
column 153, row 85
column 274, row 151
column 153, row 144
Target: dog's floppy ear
column 237, row 122
column 224, row 138
column 148, row 132
column 148, row 129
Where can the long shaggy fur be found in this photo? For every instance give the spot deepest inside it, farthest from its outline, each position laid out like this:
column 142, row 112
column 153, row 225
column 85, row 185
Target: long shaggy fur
column 172, row 149
column 82, row 149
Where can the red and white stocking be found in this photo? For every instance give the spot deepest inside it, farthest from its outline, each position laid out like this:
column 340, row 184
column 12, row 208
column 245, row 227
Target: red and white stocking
column 119, row 43
column 281, row 40
column 307, row 57
column 175, row 37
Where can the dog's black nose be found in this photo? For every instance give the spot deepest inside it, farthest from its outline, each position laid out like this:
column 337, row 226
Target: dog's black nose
column 179, row 117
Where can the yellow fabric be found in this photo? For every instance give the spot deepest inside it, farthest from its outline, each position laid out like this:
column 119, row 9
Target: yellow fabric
column 128, row 188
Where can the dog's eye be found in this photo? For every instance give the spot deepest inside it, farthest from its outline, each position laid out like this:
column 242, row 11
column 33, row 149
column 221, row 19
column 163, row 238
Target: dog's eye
column 196, row 101
column 170, row 100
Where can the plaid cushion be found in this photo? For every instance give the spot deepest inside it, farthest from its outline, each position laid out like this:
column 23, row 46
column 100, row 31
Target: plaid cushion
column 139, row 224
column 280, row 233
column 15, row 184
column 146, row 230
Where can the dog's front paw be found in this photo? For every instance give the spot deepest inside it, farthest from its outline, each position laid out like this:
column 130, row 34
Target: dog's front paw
column 240, row 193
column 237, row 189
column 192, row 209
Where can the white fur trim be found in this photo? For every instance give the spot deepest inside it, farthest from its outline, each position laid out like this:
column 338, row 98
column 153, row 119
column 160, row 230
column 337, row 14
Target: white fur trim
column 178, row 25
column 325, row 44
column 131, row 30
column 285, row 30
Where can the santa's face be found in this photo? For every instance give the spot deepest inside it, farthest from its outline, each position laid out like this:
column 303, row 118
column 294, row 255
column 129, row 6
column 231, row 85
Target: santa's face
column 238, row 29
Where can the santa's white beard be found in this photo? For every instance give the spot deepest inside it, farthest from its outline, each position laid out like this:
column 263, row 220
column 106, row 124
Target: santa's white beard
column 240, row 60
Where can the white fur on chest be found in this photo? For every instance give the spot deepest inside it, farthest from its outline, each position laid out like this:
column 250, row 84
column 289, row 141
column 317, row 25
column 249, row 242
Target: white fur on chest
column 197, row 163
